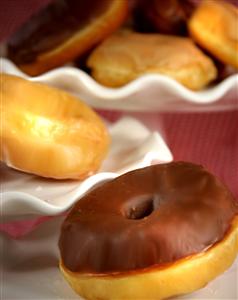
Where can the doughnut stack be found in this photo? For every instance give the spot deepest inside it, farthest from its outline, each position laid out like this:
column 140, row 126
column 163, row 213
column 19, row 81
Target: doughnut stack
column 117, row 41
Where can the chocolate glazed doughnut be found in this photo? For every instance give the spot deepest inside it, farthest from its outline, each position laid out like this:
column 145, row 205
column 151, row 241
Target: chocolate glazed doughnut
column 162, row 221
column 63, row 31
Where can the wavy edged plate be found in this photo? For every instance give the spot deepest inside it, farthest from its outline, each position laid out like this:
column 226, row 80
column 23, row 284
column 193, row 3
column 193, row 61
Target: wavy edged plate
column 133, row 146
column 30, row 270
column 147, row 93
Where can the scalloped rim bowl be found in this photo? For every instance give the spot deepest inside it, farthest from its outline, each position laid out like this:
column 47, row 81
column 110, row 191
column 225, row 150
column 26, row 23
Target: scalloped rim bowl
column 147, row 93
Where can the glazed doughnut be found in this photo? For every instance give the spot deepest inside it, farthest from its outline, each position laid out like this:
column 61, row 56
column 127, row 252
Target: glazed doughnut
column 48, row 132
column 214, row 26
column 152, row 233
column 63, row 31
column 125, row 55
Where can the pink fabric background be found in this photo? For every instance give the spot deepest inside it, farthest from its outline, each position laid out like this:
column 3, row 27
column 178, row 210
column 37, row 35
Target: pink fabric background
column 210, row 138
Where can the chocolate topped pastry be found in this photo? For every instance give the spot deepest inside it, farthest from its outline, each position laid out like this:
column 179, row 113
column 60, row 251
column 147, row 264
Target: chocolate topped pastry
column 169, row 17
column 53, row 26
column 62, row 31
column 137, row 236
column 158, row 215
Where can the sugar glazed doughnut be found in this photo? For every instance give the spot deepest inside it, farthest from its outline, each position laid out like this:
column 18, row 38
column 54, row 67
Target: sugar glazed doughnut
column 124, row 56
column 48, row 132
column 63, row 31
column 214, row 26
column 152, row 233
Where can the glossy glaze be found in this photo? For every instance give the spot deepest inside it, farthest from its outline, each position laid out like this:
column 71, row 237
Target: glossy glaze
column 150, row 216
column 52, row 27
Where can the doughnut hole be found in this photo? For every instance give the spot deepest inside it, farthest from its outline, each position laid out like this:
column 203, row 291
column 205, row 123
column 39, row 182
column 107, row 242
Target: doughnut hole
column 141, row 207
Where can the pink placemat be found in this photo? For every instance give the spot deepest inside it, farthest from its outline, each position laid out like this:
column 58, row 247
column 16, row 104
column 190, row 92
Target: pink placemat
column 210, row 139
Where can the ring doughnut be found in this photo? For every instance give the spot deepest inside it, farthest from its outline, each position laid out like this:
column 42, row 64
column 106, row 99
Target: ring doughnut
column 213, row 26
column 152, row 233
column 48, row 132
column 64, row 31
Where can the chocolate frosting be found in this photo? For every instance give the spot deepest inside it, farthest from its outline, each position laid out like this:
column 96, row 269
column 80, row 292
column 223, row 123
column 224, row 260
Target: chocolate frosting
column 168, row 17
column 52, row 26
column 147, row 217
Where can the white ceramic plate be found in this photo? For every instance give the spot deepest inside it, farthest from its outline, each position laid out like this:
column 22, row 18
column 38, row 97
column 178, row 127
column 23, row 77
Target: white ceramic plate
column 30, row 270
column 133, row 146
column 147, row 93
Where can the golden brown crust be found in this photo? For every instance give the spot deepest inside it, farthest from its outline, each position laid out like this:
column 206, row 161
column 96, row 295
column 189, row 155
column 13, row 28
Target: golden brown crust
column 48, row 132
column 185, row 276
column 125, row 56
column 80, row 42
column 214, row 26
